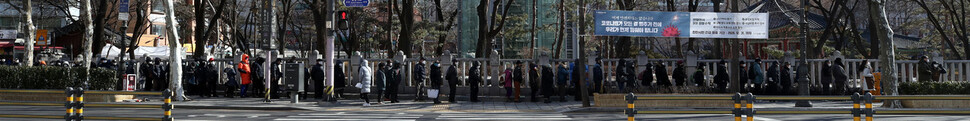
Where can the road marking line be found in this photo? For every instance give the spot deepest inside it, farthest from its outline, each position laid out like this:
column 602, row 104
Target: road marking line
column 284, row 119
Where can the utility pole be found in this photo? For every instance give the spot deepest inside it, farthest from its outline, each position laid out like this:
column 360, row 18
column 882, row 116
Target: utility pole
column 328, row 47
column 803, row 67
column 175, row 52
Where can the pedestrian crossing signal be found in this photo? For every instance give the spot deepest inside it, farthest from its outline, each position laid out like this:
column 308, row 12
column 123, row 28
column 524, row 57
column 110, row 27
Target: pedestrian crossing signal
column 343, row 21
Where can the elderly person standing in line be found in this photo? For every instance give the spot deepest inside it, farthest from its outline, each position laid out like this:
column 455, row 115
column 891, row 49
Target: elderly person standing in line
column 364, row 74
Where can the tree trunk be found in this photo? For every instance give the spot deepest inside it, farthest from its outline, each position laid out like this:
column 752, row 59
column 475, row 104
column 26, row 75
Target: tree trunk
column 561, row 34
column 406, row 17
column 175, row 62
column 30, row 33
column 533, row 32
column 877, row 11
column 480, row 51
column 88, row 33
column 99, row 26
column 199, row 30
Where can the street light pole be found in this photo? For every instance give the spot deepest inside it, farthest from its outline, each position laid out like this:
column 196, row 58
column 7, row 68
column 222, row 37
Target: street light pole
column 803, row 80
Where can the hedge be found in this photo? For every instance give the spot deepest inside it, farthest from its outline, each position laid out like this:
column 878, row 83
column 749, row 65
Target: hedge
column 934, row 88
column 50, row 77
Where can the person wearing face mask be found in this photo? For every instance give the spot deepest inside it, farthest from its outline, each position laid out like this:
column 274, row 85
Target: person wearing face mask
column 317, row 74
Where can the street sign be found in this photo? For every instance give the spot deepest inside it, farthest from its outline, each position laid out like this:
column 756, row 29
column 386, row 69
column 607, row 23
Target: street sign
column 123, row 10
column 356, row 3
column 42, row 38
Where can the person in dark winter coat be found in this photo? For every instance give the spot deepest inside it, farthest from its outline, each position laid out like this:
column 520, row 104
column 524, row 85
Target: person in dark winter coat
column 318, row 75
column 276, row 75
column 436, row 80
column 646, row 77
column 925, row 70
column 231, row 83
column 534, row 80
column 452, row 77
column 339, row 79
column 841, row 77
column 785, row 79
column 148, row 75
column 772, row 80
column 213, row 78
column 161, row 82
column 380, row 82
column 744, row 78
column 562, row 81
column 258, row 77
column 474, row 81
column 631, row 74
column 757, row 76
column 621, row 74
column 548, row 83
column 698, row 77
column 598, row 76
column 663, row 79
column 202, row 77
column 419, row 74
column 394, row 83
column 722, row 78
column 680, row 74
column 826, row 78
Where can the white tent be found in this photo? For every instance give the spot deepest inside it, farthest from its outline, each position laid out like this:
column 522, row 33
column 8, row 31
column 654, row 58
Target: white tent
column 110, row 51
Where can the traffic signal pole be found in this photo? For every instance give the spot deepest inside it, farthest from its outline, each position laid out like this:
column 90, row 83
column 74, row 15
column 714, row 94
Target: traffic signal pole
column 328, row 49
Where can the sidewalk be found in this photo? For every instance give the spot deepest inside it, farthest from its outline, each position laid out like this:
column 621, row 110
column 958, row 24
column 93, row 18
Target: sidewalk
column 490, row 106
column 764, row 105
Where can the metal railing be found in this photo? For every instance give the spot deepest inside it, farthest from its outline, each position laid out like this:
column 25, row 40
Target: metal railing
column 75, row 104
column 744, row 105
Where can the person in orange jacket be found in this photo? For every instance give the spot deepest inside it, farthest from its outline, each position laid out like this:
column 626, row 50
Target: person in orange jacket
column 244, row 72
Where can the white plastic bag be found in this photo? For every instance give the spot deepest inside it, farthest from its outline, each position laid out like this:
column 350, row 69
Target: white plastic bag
column 432, row 93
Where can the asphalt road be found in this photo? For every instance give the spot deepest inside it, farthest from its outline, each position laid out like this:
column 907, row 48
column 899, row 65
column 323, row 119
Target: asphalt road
column 305, row 115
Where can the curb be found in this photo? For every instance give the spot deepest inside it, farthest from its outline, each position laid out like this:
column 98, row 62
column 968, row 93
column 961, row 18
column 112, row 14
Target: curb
column 280, row 108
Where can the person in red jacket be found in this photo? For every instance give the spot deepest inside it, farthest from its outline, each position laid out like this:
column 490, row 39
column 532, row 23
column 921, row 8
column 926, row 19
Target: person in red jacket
column 244, row 72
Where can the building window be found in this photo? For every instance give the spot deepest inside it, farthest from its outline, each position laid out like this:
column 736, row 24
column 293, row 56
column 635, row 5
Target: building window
column 158, row 6
column 158, row 29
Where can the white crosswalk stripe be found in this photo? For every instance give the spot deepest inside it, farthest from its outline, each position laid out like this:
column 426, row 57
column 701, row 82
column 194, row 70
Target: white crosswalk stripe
column 358, row 116
column 503, row 116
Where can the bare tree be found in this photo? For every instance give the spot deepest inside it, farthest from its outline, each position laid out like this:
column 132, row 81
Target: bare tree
column 445, row 28
column 204, row 31
column 877, row 12
column 29, row 30
column 622, row 48
column 487, row 26
column 140, row 26
column 405, row 14
column 958, row 23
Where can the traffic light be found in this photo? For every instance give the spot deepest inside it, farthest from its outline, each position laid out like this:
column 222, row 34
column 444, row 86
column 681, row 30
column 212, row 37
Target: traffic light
column 343, row 20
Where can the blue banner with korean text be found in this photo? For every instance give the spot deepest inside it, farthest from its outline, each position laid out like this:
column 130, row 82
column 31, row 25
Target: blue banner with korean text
column 681, row 24
column 642, row 23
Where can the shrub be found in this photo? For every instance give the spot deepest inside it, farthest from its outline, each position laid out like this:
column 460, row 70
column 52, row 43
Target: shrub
column 934, row 88
column 50, row 77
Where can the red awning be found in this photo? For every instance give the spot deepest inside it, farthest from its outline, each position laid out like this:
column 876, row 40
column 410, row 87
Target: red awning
column 6, row 44
column 38, row 47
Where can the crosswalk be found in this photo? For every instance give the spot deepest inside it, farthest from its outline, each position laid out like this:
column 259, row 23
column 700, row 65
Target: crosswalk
column 390, row 116
column 503, row 116
column 352, row 116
